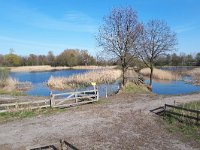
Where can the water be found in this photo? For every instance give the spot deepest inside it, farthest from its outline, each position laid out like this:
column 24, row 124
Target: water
column 39, row 82
column 164, row 87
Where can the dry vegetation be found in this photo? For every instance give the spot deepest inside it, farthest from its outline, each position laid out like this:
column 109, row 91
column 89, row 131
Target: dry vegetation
column 195, row 73
column 50, row 68
column 10, row 84
column 160, row 74
column 98, row 76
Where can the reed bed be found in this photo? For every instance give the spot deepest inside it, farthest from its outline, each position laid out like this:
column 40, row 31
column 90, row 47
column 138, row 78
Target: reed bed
column 74, row 81
column 50, row 68
column 10, row 84
column 195, row 74
column 160, row 74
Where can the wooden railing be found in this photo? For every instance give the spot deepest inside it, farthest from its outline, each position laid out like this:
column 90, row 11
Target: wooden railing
column 195, row 115
column 56, row 100
column 24, row 105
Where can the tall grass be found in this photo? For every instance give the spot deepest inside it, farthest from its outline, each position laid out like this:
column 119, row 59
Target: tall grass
column 160, row 74
column 10, row 84
column 195, row 73
column 98, row 76
column 4, row 73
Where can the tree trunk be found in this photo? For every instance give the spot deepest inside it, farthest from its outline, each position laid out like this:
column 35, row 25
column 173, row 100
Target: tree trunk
column 151, row 76
column 123, row 76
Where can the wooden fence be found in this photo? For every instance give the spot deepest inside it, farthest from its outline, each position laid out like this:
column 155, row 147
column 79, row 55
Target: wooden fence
column 56, row 100
column 63, row 145
column 193, row 116
column 73, row 98
column 24, row 105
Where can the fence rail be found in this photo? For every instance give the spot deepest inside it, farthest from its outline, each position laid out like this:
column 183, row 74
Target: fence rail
column 74, row 98
column 23, row 105
column 56, row 100
column 194, row 117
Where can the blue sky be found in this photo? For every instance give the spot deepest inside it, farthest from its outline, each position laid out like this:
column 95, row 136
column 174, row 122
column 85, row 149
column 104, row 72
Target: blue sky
column 37, row 26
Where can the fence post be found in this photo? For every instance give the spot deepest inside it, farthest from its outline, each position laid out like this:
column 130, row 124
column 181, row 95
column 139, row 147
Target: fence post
column 61, row 144
column 164, row 109
column 76, row 100
column 16, row 105
column 197, row 117
column 97, row 91
column 51, row 99
column 106, row 92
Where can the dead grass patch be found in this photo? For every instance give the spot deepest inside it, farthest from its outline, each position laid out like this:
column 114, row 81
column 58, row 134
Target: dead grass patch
column 98, row 76
column 160, row 74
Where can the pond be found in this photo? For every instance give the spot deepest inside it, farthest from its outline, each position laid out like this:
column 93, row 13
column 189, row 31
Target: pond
column 163, row 87
column 184, row 86
column 39, row 82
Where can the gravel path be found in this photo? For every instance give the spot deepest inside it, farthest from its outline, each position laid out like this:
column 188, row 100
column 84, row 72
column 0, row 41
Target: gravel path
column 121, row 122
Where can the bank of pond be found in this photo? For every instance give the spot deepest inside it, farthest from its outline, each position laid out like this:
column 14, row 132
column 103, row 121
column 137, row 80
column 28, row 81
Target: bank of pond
column 39, row 84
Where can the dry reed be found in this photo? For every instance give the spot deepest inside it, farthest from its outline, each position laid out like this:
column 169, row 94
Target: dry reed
column 195, row 74
column 98, row 76
column 160, row 74
column 10, row 84
column 50, row 68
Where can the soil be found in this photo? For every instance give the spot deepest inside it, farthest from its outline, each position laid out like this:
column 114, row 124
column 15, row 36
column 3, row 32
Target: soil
column 122, row 121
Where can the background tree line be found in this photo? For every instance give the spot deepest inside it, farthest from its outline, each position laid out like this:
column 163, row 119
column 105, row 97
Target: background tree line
column 179, row 60
column 69, row 57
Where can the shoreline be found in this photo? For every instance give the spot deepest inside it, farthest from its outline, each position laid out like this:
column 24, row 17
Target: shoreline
column 45, row 68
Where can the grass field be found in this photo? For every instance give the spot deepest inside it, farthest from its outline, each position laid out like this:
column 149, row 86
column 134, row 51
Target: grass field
column 184, row 126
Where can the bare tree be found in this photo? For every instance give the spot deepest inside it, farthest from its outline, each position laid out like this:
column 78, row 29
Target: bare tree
column 157, row 39
column 119, row 35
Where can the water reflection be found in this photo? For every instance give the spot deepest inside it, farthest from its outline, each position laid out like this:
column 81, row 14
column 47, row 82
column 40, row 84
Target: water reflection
column 173, row 87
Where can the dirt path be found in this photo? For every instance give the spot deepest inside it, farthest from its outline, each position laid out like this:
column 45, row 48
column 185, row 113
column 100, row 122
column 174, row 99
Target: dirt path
column 121, row 122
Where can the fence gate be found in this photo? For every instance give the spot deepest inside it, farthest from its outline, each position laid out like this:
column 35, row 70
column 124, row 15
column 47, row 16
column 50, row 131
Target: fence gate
column 74, row 98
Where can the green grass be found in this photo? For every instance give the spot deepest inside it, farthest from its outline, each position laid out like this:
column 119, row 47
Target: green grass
column 27, row 113
column 9, row 116
column 133, row 88
column 184, row 126
column 13, row 93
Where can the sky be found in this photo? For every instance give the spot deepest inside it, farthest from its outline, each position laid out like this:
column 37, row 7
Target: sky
column 38, row 26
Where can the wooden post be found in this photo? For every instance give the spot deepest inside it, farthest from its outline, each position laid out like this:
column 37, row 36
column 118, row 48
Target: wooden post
column 97, row 90
column 197, row 117
column 16, row 105
column 61, row 144
column 76, row 100
column 51, row 99
column 164, row 109
column 106, row 92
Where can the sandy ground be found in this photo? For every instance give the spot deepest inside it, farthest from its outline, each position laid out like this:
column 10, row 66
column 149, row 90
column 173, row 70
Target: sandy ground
column 121, row 122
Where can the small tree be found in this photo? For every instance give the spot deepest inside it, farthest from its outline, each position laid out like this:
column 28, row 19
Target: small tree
column 157, row 39
column 119, row 35
column 197, row 59
column 51, row 58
